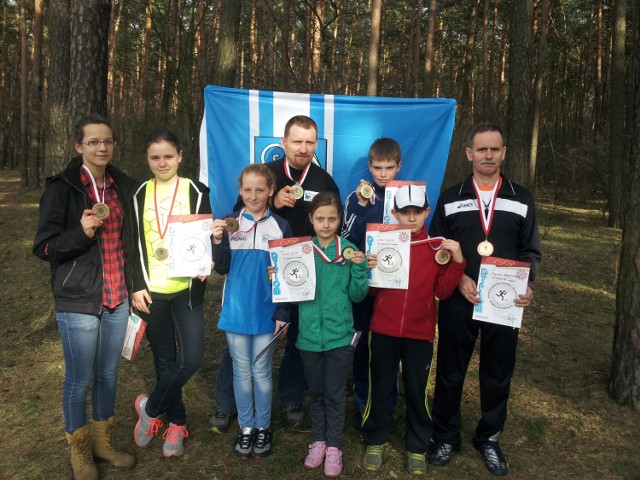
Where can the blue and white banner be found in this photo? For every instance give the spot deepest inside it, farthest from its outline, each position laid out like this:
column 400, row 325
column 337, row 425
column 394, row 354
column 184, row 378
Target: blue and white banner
column 245, row 126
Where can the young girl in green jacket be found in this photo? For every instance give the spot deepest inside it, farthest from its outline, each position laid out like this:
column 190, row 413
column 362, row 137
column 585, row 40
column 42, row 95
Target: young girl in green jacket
column 326, row 331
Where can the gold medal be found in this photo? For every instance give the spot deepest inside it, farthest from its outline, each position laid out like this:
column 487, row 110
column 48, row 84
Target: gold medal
column 443, row 257
column 232, row 225
column 162, row 253
column 485, row 248
column 101, row 210
column 366, row 191
column 298, row 191
column 348, row 253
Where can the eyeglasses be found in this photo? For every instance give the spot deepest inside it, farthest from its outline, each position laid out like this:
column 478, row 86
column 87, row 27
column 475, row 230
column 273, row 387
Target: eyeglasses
column 97, row 143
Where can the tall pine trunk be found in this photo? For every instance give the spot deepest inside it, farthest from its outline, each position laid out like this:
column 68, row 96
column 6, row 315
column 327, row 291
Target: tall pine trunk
column 624, row 385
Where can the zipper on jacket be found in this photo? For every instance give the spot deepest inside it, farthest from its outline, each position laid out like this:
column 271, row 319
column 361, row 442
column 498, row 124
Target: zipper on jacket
column 69, row 274
column 404, row 307
column 84, row 199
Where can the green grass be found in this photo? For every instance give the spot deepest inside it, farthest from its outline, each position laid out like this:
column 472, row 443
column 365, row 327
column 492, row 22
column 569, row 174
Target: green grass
column 561, row 424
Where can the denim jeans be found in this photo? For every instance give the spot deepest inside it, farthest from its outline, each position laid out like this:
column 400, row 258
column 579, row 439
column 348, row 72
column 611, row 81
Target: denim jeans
column 291, row 381
column 252, row 384
column 92, row 345
column 176, row 335
column 225, row 399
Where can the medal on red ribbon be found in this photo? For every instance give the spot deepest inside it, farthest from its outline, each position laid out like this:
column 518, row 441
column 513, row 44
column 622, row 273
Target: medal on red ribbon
column 338, row 255
column 100, row 209
column 485, row 248
column 161, row 252
column 298, row 190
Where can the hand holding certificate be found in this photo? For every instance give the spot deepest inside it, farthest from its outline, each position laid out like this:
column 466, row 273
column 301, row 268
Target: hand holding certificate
column 295, row 276
column 500, row 281
column 189, row 241
column 392, row 245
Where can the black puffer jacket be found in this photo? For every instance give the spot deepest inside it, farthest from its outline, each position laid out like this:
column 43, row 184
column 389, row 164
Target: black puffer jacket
column 76, row 260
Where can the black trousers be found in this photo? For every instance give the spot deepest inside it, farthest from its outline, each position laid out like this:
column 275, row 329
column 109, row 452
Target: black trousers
column 456, row 342
column 386, row 353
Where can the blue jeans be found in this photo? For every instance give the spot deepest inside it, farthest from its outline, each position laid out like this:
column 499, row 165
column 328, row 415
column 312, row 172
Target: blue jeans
column 92, row 345
column 176, row 335
column 225, row 399
column 252, row 384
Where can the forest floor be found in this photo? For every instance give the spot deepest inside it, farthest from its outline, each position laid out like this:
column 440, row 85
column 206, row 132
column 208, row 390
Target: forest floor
column 561, row 424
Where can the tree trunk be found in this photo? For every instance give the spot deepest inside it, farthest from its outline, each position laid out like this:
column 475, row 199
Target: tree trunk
column 429, row 49
column 145, row 62
column 519, row 104
column 58, row 146
column 618, row 166
column 374, row 45
column 285, row 61
column 486, row 69
column 228, row 46
column 467, row 64
column 417, row 41
column 24, row 112
column 316, row 71
column 36, row 138
column 172, row 27
column 89, row 57
column 624, row 385
column 537, row 92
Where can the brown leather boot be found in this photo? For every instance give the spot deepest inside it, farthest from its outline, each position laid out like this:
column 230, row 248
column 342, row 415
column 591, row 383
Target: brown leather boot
column 103, row 448
column 81, row 457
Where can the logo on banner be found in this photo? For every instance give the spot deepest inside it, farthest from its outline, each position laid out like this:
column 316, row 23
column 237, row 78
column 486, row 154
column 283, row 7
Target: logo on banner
column 269, row 149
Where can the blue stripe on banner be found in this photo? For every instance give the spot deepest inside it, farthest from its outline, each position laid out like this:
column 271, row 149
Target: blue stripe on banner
column 317, row 113
column 266, row 114
column 349, row 125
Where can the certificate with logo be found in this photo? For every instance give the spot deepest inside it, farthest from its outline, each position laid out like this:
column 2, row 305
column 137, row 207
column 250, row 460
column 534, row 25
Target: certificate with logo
column 295, row 278
column 392, row 245
column 390, row 190
column 499, row 283
column 189, row 243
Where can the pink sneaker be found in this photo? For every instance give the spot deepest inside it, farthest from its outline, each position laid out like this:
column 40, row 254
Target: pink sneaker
column 316, row 455
column 333, row 462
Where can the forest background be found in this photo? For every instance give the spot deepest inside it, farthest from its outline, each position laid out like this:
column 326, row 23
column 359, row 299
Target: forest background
column 562, row 76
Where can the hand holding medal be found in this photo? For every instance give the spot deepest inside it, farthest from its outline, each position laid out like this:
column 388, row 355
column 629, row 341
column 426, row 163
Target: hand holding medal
column 364, row 191
column 284, row 198
column 450, row 249
column 90, row 222
column 218, row 228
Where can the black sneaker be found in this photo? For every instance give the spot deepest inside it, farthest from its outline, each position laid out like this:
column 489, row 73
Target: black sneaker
column 493, row 457
column 221, row 421
column 441, row 453
column 243, row 444
column 261, row 442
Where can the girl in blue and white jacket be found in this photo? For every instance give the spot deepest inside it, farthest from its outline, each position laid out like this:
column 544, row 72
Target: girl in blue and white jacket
column 249, row 318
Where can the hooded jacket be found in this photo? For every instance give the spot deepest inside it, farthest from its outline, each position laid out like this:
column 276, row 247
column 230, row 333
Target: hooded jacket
column 198, row 204
column 76, row 260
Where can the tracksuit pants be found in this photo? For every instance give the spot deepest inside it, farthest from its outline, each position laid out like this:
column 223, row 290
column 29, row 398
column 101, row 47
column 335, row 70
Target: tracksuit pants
column 386, row 353
column 458, row 333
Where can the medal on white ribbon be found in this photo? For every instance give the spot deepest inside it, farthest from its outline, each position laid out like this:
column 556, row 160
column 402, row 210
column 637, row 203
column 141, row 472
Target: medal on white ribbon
column 161, row 252
column 298, row 190
column 485, row 248
column 100, row 209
